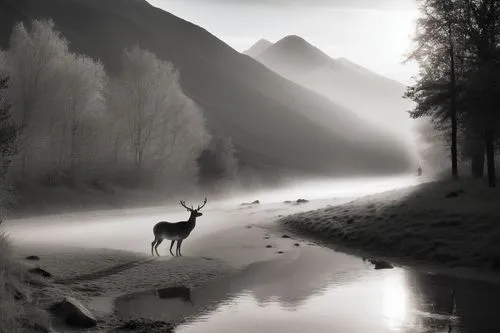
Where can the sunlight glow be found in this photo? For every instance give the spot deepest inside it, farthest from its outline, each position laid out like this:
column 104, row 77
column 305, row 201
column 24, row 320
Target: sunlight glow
column 395, row 302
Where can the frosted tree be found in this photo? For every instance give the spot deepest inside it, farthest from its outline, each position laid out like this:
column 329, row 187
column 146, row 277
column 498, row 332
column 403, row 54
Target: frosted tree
column 163, row 129
column 31, row 61
column 81, row 98
column 8, row 133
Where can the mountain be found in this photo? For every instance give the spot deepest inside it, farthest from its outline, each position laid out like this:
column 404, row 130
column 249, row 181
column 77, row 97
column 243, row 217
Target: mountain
column 275, row 124
column 258, row 48
column 373, row 97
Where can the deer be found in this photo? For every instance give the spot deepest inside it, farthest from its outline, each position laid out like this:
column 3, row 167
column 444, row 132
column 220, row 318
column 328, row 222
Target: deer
column 178, row 231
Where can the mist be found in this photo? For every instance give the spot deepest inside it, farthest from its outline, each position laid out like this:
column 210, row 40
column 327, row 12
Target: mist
column 131, row 229
column 176, row 166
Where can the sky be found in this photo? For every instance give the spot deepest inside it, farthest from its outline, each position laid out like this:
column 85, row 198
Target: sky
column 375, row 34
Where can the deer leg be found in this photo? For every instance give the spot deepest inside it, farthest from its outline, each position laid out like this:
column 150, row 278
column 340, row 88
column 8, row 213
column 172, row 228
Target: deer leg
column 171, row 245
column 179, row 243
column 158, row 242
column 152, row 245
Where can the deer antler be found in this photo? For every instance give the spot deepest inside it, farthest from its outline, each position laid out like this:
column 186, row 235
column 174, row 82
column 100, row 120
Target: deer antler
column 183, row 204
column 204, row 203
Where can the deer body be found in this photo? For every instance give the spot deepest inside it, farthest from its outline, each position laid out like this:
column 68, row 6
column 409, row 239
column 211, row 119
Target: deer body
column 178, row 231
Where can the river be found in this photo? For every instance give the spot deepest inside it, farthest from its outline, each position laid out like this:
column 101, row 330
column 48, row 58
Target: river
column 281, row 283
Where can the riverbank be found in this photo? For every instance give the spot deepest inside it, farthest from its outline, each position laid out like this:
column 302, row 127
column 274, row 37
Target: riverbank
column 442, row 224
column 95, row 278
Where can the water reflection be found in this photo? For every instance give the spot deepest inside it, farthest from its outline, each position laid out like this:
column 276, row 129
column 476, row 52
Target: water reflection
column 182, row 292
column 323, row 291
column 395, row 301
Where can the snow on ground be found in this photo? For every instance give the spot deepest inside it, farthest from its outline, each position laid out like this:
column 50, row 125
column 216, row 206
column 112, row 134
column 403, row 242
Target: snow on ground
column 448, row 223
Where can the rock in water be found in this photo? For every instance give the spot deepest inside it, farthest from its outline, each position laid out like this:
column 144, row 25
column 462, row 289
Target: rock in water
column 256, row 202
column 73, row 313
column 35, row 258
column 380, row 264
column 454, row 194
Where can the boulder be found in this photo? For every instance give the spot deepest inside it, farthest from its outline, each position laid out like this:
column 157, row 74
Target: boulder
column 380, row 264
column 73, row 313
column 34, row 258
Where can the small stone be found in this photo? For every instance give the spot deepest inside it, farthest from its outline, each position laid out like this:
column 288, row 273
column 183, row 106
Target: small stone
column 296, row 244
column 285, row 236
column 454, row 194
column 20, row 293
column 380, row 264
column 256, row 202
column 269, row 246
column 41, row 272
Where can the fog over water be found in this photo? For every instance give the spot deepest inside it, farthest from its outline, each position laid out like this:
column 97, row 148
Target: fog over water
column 131, row 229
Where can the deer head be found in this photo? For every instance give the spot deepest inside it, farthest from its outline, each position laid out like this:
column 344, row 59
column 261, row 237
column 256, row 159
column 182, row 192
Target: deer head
column 194, row 212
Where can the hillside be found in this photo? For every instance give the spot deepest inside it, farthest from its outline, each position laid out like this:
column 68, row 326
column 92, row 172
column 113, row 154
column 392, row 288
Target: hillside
column 275, row 123
column 373, row 97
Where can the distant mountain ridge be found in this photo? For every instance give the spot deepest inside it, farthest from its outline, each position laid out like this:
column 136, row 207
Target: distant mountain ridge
column 373, row 97
column 297, row 52
column 275, row 124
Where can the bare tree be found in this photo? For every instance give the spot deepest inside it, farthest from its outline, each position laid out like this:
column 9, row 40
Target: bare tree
column 8, row 133
column 481, row 31
column 33, row 54
column 163, row 128
column 436, row 51
column 82, row 99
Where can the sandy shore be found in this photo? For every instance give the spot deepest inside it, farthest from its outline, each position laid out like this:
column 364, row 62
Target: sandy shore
column 437, row 225
column 97, row 277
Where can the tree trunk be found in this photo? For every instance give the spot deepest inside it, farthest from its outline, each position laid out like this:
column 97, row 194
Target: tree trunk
column 72, row 154
column 453, row 111
column 490, row 155
column 477, row 163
